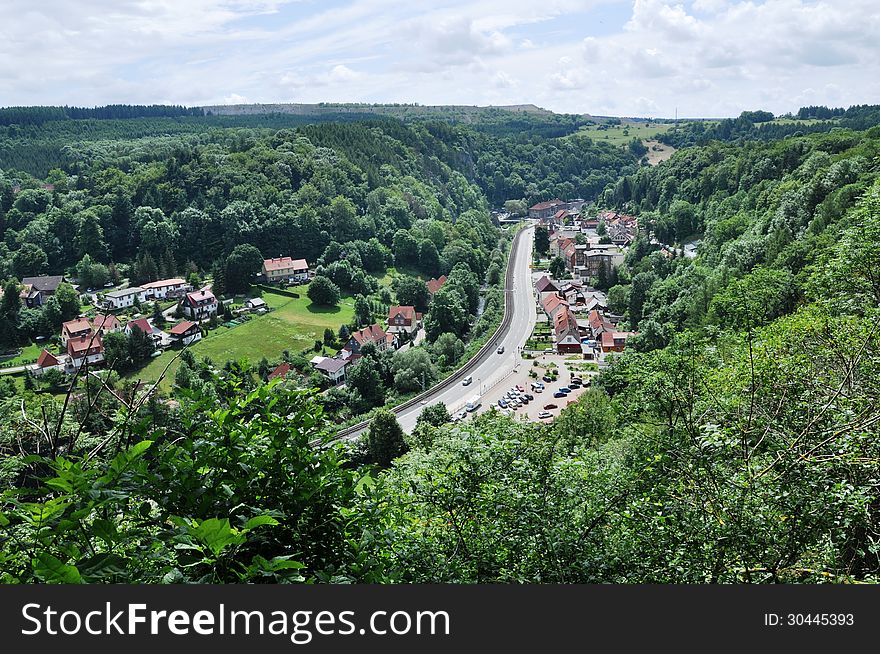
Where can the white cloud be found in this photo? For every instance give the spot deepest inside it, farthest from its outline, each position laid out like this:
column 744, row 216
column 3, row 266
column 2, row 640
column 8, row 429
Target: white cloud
column 708, row 57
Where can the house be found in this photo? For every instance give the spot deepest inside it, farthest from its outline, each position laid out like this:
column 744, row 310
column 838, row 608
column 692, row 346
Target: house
column 281, row 370
column 553, row 304
column 255, row 303
column 615, row 341
column 165, row 288
column 104, row 323
column 37, row 289
column 185, row 332
column 373, row 334
column 560, row 216
column 435, row 285
column 86, row 349
column 199, row 305
column 140, row 323
column 331, row 367
column 46, row 362
column 572, row 293
column 545, row 287
column 599, row 324
column 403, row 319
column 544, row 210
column 621, row 228
column 125, row 297
column 565, row 328
column 74, row 329
column 285, row 270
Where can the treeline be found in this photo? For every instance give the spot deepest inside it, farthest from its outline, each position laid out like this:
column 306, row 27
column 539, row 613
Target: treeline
column 747, row 128
column 40, row 115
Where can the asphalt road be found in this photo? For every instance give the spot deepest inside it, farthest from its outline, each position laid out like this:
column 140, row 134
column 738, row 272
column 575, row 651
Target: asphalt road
column 493, row 368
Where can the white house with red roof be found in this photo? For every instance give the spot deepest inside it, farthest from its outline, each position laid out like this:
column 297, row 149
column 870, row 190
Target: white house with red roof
column 86, row 349
column 46, row 362
column 373, row 334
column 199, row 305
column 285, row 270
column 185, row 332
column 75, row 328
column 403, row 319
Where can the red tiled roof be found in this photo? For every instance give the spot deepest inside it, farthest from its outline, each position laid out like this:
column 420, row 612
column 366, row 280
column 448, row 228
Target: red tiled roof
column 105, row 321
column 545, row 205
column 544, row 284
column 46, row 360
column 280, row 371
column 202, row 295
column 283, row 263
column 140, row 323
column 408, row 312
column 82, row 345
column 434, row 285
column 76, row 325
column 553, row 301
column 182, row 327
column 371, row 334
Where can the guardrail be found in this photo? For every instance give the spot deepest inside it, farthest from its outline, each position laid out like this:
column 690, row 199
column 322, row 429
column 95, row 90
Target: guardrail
column 474, row 361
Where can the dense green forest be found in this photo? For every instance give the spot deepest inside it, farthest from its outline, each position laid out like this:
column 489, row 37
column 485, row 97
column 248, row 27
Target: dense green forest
column 735, row 441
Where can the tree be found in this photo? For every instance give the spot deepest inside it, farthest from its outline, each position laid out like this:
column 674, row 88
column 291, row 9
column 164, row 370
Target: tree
column 618, row 299
column 242, row 264
column 448, row 349
column 68, row 301
column 323, row 292
column 434, row 414
column 542, row 240
column 447, row 314
column 406, row 249
column 557, row 267
column 641, row 285
column 385, row 440
column 363, row 314
column 116, row 350
column 329, row 337
column 29, row 260
column 429, row 258
column 90, row 236
column 413, row 370
column 140, row 347
column 11, row 298
column 158, row 316
column 364, row 376
column 91, row 274
column 411, row 291
column 589, row 421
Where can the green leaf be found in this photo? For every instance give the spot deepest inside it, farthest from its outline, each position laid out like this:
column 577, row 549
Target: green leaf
column 258, row 521
column 102, row 565
column 53, row 571
column 217, row 534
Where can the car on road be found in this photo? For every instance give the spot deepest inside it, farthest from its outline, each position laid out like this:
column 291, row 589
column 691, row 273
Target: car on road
column 545, row 414
column 500, row 349
column 467, row 381
column 547, row 407
column 558, row 394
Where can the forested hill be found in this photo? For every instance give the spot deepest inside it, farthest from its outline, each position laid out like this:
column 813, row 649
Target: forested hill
column 40, row 115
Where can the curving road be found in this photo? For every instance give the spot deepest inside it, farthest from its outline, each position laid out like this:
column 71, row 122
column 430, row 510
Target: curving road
column 487, row 368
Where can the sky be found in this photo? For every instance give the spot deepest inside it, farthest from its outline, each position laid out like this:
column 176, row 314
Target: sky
column 701, row 58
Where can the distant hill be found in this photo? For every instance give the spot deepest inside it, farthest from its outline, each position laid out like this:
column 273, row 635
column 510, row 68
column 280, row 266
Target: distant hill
column 463, row 113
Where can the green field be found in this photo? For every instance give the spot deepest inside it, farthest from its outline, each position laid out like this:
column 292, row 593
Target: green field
column 28, row 353
column 294, row 324
column 623, row 134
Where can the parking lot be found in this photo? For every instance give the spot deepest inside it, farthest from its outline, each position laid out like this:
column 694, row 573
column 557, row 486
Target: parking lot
column 566, row 367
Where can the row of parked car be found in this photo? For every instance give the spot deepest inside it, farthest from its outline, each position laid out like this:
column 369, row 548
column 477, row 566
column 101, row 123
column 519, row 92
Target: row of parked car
column 515, row 398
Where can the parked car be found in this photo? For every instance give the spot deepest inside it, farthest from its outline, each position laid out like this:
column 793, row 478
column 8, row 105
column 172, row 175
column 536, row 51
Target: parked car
column 529, row 396
column 577, row 380
column 545, row 414
column 547, row 378
column 500, row 349
column 524, row 399
column 520, row 388
column 539, row 389
column 502, row 403
column 564, row 389
column 558, row 394
column 547, row 407
column 574, row 385
column 467, row 381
